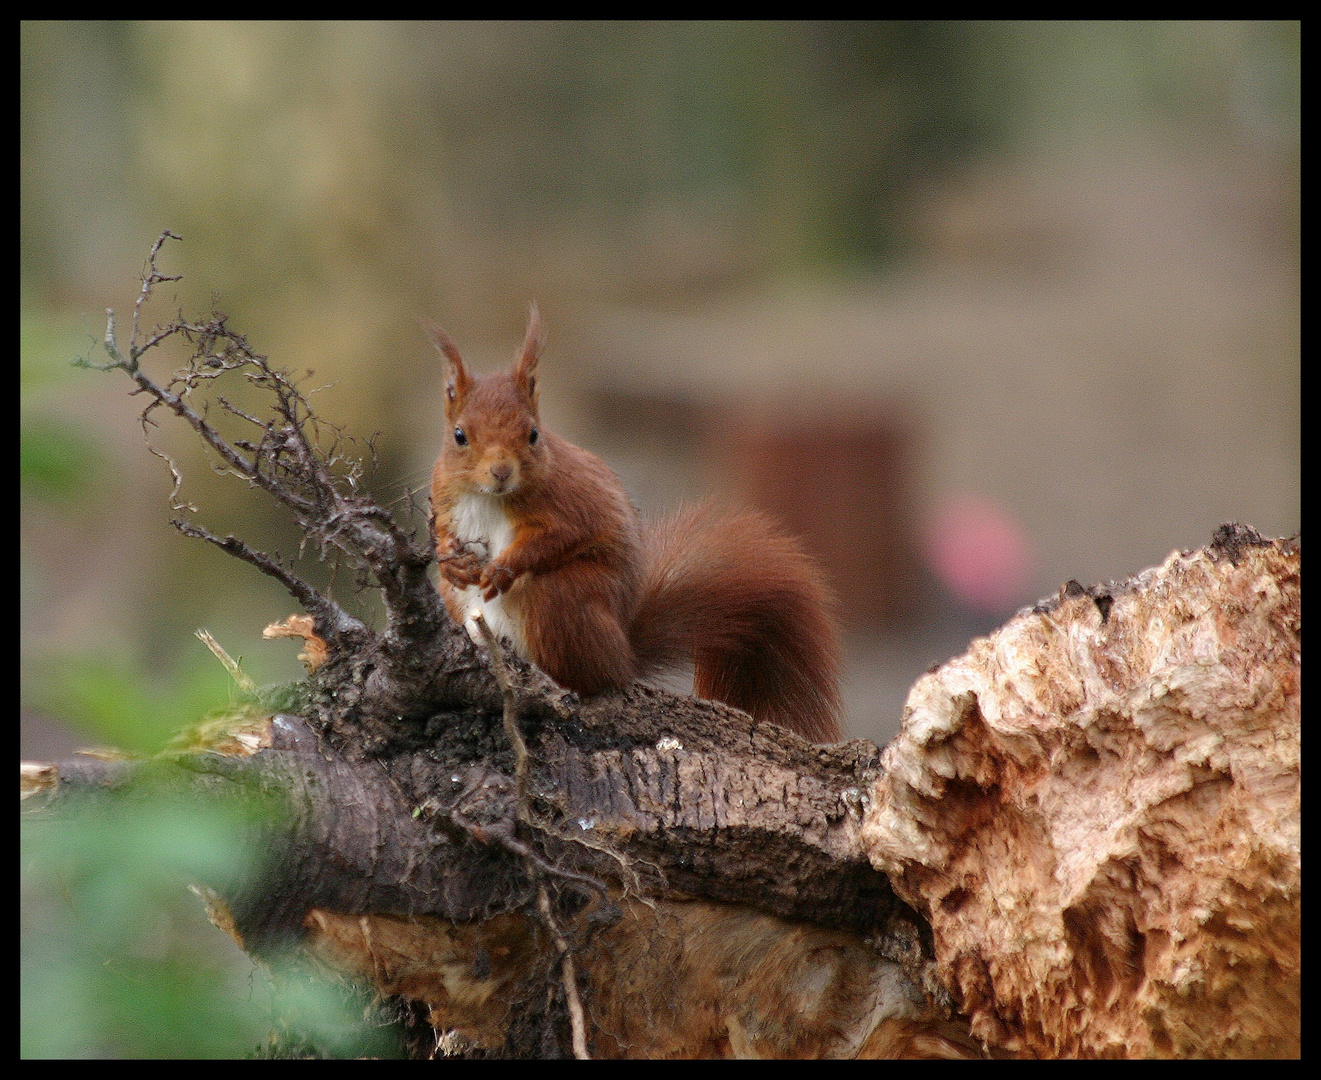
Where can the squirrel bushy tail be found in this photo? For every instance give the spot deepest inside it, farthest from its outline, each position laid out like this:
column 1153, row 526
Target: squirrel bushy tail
column 747, row 606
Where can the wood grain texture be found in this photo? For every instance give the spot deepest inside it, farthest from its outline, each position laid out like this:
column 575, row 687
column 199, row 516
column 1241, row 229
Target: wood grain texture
column 1097, row 808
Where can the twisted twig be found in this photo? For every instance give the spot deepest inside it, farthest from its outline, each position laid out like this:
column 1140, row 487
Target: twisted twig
column 568, row 973
column 284, row 459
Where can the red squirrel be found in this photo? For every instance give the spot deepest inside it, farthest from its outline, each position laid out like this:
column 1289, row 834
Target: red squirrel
column 541, row 536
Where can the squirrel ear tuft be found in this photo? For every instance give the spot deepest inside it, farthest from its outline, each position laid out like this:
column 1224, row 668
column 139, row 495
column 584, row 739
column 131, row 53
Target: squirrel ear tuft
column 525, row 367
column 441, row 341
column 458, row 381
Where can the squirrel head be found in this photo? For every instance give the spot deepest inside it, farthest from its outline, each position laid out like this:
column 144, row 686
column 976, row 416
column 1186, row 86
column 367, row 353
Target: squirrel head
column 492, row 427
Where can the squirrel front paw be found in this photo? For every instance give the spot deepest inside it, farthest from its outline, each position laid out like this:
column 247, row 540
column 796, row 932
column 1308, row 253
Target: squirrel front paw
column 495, row 579
column 461, row 567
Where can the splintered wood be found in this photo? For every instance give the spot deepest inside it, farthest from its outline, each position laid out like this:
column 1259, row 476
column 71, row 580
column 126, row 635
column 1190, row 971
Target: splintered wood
column 667, row 980
column 1097, row 808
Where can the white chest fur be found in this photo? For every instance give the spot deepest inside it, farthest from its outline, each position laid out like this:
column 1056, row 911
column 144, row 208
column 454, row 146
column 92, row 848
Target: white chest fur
column 480, row 521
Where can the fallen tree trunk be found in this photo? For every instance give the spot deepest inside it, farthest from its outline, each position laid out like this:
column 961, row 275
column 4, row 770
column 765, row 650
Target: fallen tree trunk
column 706, row 871
column 1093, row 813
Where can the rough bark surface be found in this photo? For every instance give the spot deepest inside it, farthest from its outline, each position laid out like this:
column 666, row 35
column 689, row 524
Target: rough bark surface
column 1097, row 809
column 707, row 871
column 643, row 790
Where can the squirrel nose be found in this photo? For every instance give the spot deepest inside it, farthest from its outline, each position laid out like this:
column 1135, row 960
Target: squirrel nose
column 501, row 472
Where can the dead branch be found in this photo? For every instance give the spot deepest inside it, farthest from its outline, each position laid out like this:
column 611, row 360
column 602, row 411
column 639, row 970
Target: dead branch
column 297, row 458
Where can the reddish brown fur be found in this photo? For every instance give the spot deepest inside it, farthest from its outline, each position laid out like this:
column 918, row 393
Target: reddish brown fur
column 599, row 599
column 751, row 610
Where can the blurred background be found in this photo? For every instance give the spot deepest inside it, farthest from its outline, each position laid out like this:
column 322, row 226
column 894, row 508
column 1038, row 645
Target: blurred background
column 973, row 308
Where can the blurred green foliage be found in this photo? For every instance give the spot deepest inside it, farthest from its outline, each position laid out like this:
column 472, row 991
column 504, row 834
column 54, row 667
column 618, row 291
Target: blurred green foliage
column 55, row 460
column 362, row 159
column 117, row 958
column 116, row 702
column 290, row 147
column 806, row 136
column 58, row 462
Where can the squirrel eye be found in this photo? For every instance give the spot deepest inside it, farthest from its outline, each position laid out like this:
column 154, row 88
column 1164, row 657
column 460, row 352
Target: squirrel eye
column 532, row 437
column 460, row 437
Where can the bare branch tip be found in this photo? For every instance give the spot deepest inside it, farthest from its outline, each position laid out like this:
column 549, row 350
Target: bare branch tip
column 244, row 684
column 481, row 633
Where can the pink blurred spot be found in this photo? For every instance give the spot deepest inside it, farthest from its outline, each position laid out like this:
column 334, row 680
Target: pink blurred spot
column 979, row 552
